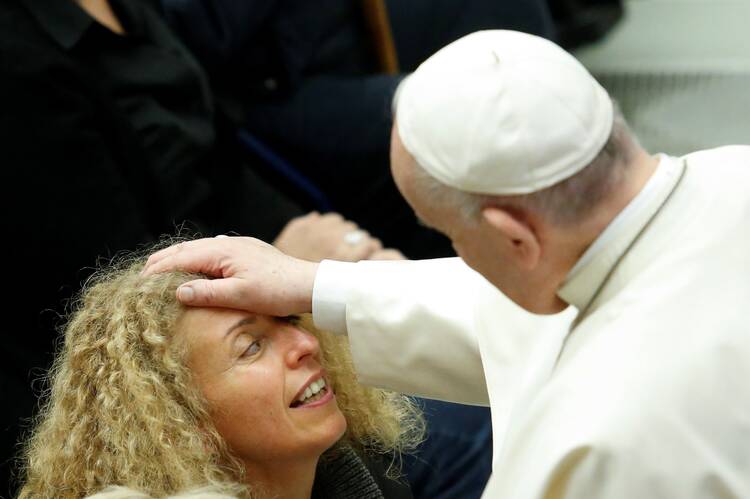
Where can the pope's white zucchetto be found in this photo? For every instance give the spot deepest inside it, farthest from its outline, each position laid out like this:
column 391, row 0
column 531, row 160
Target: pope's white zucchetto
column 502, row 112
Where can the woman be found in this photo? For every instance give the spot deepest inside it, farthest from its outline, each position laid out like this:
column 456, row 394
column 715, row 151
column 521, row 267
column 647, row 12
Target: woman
column 148, row 394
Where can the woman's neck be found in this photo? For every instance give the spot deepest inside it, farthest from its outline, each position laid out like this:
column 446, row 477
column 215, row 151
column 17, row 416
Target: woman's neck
column 290, row 480
column 101, row 10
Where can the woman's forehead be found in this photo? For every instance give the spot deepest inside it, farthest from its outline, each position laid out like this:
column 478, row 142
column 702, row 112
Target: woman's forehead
column 199, row 324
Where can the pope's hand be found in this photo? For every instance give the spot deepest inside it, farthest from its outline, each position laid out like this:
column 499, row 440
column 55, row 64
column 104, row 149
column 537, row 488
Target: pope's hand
column 251, row 275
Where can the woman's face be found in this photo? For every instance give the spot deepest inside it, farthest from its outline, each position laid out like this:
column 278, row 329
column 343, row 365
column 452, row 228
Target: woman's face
column 253, row 370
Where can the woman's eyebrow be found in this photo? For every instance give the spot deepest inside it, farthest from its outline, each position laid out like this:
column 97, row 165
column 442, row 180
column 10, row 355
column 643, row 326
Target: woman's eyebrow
column 240, row 323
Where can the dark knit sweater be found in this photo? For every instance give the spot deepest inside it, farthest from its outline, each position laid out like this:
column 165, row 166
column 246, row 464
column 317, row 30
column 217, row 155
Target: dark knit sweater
column 346, row 476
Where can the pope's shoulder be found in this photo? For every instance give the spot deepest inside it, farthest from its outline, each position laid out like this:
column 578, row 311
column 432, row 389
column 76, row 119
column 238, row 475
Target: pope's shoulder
column 717, row 183
column 727, row 156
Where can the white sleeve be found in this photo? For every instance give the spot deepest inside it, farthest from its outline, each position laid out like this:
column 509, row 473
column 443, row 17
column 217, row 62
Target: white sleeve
column 330, row 291
column 410, row 324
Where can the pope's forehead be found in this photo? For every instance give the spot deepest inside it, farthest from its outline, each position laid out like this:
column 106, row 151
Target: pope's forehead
column 402, row 161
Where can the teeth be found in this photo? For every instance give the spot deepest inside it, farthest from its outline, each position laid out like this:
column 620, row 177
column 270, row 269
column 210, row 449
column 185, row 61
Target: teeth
column 319, row 385
column 313, row 389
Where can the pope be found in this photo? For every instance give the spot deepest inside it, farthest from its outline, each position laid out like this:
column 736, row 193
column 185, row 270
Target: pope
column 598, row 304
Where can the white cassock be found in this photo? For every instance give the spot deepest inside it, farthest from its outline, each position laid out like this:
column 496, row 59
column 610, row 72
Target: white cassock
column 640, row 390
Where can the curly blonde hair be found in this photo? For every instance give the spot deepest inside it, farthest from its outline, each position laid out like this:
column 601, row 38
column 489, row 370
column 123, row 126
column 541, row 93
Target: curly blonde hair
column 123, row 409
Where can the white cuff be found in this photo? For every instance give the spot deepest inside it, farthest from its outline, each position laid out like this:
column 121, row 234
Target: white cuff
column 330, row 293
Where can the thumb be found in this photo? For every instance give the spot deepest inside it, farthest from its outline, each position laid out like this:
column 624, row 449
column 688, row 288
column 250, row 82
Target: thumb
column 225, row 293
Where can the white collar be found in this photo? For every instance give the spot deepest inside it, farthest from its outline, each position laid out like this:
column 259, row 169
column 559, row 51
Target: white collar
column 591, row 271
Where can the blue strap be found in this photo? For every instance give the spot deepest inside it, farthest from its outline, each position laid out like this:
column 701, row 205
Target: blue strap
column 283, row 167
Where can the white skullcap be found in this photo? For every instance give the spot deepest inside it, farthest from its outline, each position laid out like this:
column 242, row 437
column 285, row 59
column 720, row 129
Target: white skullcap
column 502, row 112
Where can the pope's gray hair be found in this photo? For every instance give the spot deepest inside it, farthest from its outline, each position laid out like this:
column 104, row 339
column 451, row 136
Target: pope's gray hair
column 567, row 202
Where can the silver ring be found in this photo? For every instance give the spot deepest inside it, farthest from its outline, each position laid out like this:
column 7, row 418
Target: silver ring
column 354, row 237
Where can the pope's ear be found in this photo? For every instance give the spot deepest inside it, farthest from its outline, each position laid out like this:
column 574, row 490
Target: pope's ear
column 520, row 239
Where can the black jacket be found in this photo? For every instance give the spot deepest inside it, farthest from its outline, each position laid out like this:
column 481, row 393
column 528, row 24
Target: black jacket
column 80, row 184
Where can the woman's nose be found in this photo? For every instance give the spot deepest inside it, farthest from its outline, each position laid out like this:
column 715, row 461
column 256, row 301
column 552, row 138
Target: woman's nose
column 301, row 346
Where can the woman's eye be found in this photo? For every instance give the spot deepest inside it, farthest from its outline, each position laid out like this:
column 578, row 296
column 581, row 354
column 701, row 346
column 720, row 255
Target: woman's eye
column 291, row 319
column 252, row 349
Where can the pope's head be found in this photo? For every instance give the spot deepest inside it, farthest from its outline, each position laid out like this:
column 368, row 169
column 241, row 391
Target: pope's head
column 506, row 144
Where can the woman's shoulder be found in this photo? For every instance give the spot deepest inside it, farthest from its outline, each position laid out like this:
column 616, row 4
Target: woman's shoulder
column 392, row 488
column 343, row 474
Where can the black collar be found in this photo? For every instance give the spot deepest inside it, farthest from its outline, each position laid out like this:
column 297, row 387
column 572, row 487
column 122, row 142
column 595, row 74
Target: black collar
column 67, row 23
column 63, row 20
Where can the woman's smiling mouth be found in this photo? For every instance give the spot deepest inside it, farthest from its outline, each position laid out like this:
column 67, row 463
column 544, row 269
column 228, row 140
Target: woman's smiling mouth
column 316, row 393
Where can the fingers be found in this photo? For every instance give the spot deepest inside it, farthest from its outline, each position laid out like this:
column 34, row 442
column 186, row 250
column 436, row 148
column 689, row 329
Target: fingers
column 315, row 237
column 358, row 248
column 226, row 293
column 158, row 257
column 370, row 246
column 184, row 259
column 387, row 254
column 205, row 256
column 332, row 217
column 254, row 275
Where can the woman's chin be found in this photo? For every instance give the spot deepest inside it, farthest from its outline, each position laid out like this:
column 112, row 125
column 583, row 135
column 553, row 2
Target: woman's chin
column 319, row 428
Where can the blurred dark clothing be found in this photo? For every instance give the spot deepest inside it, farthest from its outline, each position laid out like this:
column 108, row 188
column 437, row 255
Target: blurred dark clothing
column 345, row 474
column 304, row 76
column 266, row 48
column 108, row 141
column 580, row 22
column 457, row 461
column 117, row 136
column 422, row 27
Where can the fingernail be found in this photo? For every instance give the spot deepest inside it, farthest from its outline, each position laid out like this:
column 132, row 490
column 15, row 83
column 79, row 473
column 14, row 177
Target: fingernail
column 185, row 294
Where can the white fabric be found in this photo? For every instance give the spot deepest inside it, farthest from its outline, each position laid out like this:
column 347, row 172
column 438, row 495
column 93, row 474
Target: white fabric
column 584, row 279
column 647, row 396
column 502, row 112
column 430, row 340
column 661, row 179
column 330, row 290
